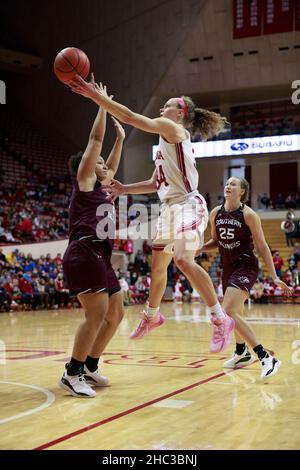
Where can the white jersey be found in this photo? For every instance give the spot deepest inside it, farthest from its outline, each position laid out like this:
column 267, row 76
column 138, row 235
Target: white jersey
column 177, row 174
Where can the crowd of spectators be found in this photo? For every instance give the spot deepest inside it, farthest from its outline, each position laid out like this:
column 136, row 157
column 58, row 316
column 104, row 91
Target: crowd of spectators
column 30, row 284
column 291, row 201
column 34, row 212
column 265, row 291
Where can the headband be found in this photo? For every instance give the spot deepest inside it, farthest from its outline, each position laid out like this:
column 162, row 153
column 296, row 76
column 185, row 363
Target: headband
column 183, row 106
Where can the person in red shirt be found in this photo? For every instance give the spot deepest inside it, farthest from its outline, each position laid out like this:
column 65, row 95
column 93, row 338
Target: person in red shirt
column 26, row 228
column 61, row 294
column 58, row 259
column 278, row 263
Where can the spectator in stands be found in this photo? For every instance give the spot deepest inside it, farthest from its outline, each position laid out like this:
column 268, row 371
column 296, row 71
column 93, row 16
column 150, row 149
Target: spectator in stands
column 186, row 288
column 258, row 202
column 147, row 250
column 280, row 202
column 26, row 290
column 266, row 201
column 5, row 300
column 278, row 263
column 290, row 215
column 268, row 286
column 61, row 293
column 50, row 291
column 26, row 229
column 177, row 291
column 58, row 260
column 3, row 260
column 16, row 295
column 125, row 290
column 41, row 289
column 287, row 277
column 289, row 227
column 138, row 257
column 140, row 286
column 290, row 201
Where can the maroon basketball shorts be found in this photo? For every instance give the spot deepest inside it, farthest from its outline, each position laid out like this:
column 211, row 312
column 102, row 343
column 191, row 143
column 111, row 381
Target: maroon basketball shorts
column 242, row 276
column 87, row 268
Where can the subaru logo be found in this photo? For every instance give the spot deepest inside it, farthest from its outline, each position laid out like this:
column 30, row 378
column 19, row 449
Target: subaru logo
column 239, row 146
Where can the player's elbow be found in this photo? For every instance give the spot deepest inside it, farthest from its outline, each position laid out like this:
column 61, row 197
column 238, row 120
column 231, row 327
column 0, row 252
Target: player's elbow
column 95, row 139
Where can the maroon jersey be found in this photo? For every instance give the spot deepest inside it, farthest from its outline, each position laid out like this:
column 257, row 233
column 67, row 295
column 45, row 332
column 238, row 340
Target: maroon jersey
column 87, row 260
column 234, row 237
column 84, row 206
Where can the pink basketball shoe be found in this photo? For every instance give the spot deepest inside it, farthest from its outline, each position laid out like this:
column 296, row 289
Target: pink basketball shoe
column 147, row 324
column 222, row 328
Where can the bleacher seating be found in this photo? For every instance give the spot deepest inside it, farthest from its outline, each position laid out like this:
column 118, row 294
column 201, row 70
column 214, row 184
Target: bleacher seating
column 261, row 120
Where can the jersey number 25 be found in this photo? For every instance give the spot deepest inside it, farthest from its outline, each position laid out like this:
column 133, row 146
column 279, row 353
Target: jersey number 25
column 226, row 233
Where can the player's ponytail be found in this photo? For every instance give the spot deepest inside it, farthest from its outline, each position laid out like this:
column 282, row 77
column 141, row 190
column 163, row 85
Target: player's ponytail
column 246, row 187
column 207, row 123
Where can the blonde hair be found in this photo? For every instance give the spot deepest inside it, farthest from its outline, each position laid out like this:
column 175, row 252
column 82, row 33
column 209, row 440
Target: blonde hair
column 244, row 185
column 207, row 123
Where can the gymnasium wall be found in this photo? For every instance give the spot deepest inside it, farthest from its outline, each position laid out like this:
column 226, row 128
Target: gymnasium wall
column 130, row 44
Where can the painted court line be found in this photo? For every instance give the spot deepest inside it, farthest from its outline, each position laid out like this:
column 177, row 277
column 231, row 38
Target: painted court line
column 50, row 397
column 66, row 437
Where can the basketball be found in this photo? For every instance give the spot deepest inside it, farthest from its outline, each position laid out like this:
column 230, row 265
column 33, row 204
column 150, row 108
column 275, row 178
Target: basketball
column 71, row 62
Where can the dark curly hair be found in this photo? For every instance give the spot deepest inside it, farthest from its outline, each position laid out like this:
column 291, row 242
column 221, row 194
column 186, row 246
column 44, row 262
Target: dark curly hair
column 74, row 162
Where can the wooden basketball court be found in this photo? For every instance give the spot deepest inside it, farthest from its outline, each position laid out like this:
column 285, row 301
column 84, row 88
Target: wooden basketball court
column 167, row 391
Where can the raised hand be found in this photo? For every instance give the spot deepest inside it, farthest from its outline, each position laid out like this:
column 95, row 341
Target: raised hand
column 119, row 129
column 90, row 89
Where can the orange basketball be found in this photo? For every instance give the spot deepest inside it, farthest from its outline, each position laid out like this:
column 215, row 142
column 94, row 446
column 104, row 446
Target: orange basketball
column 71, row 62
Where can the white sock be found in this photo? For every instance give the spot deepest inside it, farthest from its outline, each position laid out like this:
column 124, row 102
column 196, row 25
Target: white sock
column 151, row 311
column 217, row 310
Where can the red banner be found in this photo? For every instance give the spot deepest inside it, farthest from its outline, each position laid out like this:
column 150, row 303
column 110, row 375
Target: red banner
column 297, row 15
column 278, row 16
column 247, row 18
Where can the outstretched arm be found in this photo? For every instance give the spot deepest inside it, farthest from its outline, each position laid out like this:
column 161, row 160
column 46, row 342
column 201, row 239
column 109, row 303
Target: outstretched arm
column 254, row 223
column 116, row 189
column 113, row 160
column 171, row 131
column 86, row 171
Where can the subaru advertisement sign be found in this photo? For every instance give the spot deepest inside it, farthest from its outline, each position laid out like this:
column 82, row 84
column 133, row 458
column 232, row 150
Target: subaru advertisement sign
column 250, row 146
column 239, row 146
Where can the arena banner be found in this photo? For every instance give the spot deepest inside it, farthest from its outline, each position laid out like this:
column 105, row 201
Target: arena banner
column 297, row 15
column 250, row 146
column 247, row 18
column 278, row 16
